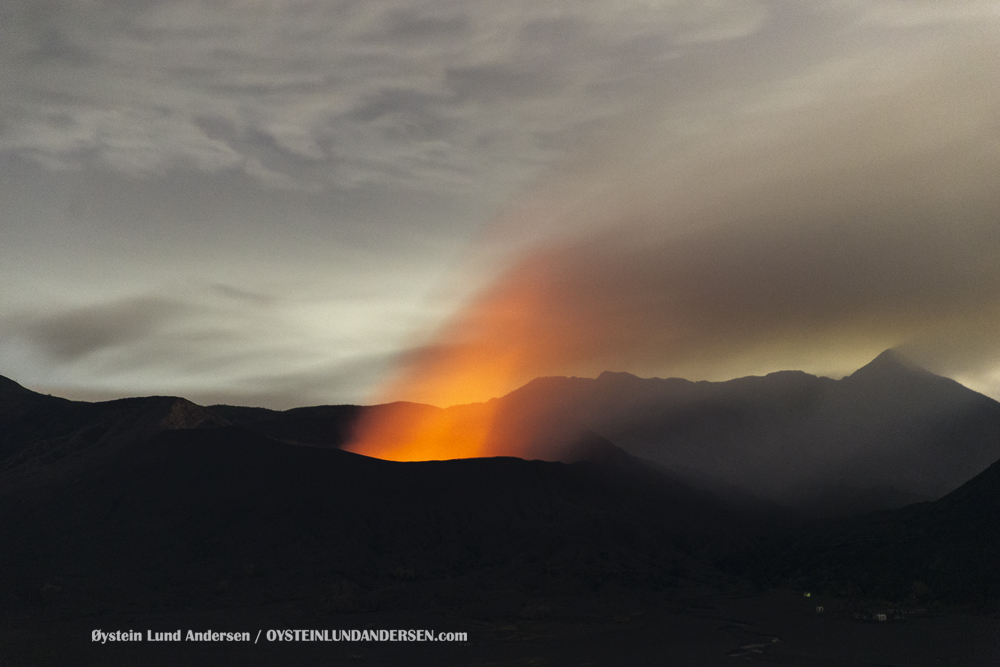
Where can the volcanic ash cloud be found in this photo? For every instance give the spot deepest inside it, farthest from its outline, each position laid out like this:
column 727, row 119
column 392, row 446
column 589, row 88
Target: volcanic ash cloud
column 808, row 235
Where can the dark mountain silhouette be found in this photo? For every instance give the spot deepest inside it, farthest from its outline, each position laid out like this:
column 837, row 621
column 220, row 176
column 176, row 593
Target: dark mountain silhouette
column 205, row 517
column 591, row 447
column 942, row 551
column 886, row 436
column 40, row 433
column 889, row 435
column 9, row 386
column 322, row 426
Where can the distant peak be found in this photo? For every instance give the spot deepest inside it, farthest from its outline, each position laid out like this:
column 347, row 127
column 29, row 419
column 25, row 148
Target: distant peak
column 617, row 375
column 889, row 363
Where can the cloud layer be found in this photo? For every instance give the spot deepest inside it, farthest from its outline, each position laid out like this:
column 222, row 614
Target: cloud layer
column 312, row 94
column 674, row 185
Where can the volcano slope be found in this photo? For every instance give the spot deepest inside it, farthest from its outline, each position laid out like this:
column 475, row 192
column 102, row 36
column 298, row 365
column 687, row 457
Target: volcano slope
column 201, row 516
column 932, row 553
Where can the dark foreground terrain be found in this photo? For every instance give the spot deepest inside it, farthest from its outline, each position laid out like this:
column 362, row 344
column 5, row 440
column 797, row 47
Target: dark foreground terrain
column 155, row 514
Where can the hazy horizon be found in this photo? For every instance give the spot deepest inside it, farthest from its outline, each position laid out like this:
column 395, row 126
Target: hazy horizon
column 97, row 396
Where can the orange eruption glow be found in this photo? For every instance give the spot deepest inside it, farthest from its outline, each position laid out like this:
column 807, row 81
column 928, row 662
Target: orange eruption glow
column 414, row 432
column 490, row 348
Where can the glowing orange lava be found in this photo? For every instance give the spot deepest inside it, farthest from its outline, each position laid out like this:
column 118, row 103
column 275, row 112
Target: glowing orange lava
column 414, row 432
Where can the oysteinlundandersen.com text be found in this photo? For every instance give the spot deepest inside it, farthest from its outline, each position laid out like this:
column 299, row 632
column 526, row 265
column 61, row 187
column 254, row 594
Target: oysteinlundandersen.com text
column 280, row 636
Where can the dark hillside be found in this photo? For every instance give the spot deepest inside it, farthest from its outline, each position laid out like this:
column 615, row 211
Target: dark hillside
column 946, row 551
column 323, row 425
column 886, row 436
column 222, row 517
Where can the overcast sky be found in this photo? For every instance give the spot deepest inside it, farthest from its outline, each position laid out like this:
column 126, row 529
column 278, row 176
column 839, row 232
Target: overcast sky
column 288, row 202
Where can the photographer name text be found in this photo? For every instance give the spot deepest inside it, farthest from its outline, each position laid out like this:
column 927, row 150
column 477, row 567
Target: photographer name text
column 311, row 635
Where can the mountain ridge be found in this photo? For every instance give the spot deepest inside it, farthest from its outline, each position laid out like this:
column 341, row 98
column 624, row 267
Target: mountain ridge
column 788, row 436
column 889, row 432
column 40, row 433
column 8, row 385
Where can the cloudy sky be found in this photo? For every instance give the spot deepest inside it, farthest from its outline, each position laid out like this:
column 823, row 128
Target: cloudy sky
column 288, row 202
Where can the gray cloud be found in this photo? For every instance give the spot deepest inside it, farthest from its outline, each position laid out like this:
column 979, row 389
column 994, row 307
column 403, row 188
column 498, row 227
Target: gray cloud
column 138, row 82
column 408, row 112
column 396, row 100
column 502, row 84
column 77, row 333
column 264, row 149
column 250, row 297
column 409, row 24
column 55, row 46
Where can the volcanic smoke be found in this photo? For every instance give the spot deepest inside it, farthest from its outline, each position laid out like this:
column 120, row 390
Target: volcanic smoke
column 809, row 237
